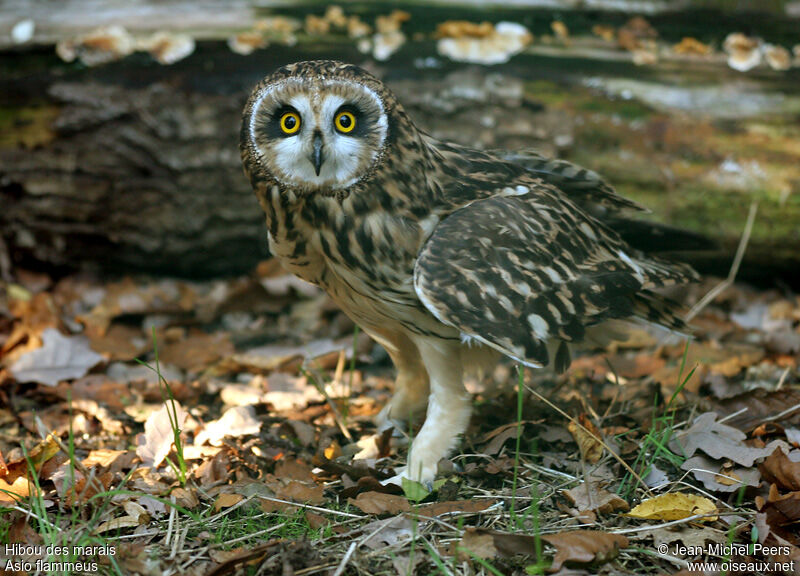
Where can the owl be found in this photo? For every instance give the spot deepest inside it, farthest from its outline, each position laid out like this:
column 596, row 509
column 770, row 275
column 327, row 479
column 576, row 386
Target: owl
column 447, row 256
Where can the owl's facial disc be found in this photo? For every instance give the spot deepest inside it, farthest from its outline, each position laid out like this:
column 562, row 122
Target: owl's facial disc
column 318, row 136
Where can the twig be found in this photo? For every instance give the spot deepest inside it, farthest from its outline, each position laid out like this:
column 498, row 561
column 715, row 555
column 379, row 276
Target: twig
column 31, row 514
column 227, row 511
column 249, row 536
column 354, row 545
column 732, row 415
column 783, row 378
column 708, row 495
column 346, row 559
column 310, row 507
column 171, row 523
column 715, row 475
column 774, row 418
column 442, row 522
column 313, row 569
column 593, row 435
column 783, row 414
column 674, row 522
column 737, row 260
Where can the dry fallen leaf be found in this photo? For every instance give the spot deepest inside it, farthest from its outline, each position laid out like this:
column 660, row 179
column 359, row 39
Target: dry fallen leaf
column 779, row 469
column 584, row 546
column 655, row 477
column 18, row 490
column 119, row 524
column 674, row 506
column 782, row 512
column 293, row 469
column 14, row 484
column 688, row 535
column 129, row 298
column 196, row 352
column 718, row 441
column 590, row 447
column 485, row 543
column 75, row 488
column 388, row 532
column 34, row 315
column 459, row 506
column 288, row 358
column 287, row 392
column 120, row 342
column 156, row 442
column 236, row 421
column 185, row 497
column 479, row 543
column 407, row 563
column 720, row 476
column 589, row 496
column 60, row 358
column 303, row 431
column 98, row 387
column 637, row 366
column 499, row 436
column 301, row 492
column 226, row 500
column 755, row 406
column 379, row 503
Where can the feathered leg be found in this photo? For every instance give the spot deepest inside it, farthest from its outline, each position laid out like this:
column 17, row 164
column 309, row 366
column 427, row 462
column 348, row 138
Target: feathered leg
column 411, row 388
column 449, row 407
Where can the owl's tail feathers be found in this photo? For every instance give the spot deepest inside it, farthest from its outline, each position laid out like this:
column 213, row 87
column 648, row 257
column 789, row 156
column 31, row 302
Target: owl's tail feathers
column 650, row 237
column 658, row 309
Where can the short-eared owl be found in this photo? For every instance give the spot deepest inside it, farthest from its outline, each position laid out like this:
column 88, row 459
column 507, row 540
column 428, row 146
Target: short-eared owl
column 445, row 255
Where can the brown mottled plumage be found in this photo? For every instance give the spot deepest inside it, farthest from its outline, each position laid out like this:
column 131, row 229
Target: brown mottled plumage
column 441, row 252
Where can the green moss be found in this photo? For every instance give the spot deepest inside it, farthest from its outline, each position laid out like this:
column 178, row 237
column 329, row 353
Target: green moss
column 582, row 99
column 625, row 109
column 775, row 6
column 26, row 126
column 722, row 214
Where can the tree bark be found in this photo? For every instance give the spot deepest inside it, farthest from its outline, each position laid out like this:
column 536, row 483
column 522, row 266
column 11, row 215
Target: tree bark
column 133, row 173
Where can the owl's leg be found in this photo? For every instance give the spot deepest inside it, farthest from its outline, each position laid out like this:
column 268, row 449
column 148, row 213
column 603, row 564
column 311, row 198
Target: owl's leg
column 449, row 408
column 411, row 389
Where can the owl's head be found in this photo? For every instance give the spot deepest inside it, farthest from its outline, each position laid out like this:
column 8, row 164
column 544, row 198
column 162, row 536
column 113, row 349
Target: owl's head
column 318, row 126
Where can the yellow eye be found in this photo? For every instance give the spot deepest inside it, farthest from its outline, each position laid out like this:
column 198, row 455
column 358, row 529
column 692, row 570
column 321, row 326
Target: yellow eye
column 290, row 122
column 345, row 122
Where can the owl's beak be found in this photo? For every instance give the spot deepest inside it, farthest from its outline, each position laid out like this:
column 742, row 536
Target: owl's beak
column 316, row 158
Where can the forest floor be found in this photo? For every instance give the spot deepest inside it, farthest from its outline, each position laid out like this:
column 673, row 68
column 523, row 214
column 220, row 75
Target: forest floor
column 255, row 451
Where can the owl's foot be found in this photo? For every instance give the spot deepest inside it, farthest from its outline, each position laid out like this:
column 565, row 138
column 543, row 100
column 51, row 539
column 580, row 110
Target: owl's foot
column 426, row 478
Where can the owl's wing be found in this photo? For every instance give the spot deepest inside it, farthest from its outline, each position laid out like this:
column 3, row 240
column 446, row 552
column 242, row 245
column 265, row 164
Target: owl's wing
column 584, row 187
column 594, row 195
column 517, row 271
